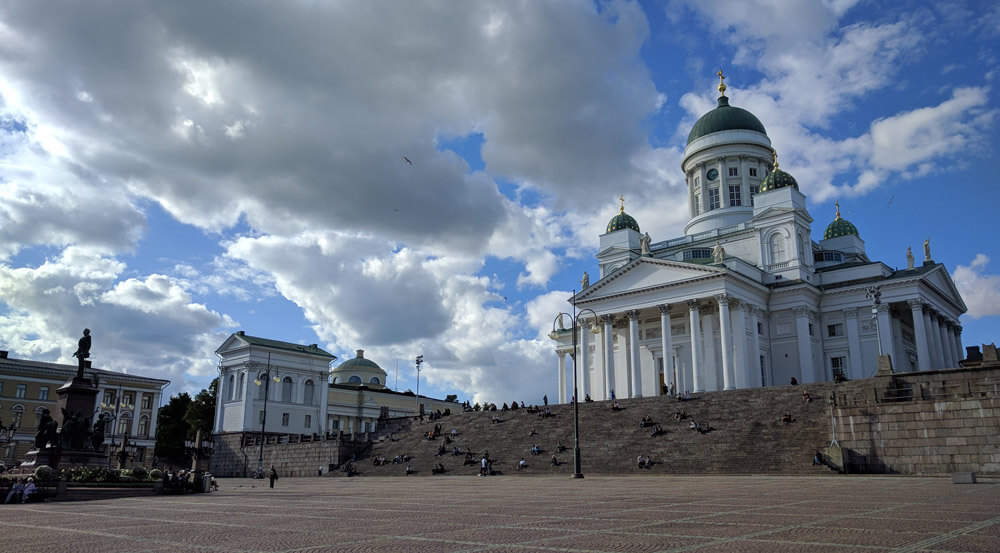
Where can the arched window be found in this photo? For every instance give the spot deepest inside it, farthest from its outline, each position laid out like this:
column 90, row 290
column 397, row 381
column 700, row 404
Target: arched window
column 243, row 381
column 144, row 426
column 309, row 390
column 124, row 425
column 38, row 414
column 106, row 417
column 354, row 379
column 18, row 414
column 286, row 389
column 262, row 387
column 232, row 387
column 374, row 380
column 802, row 248
column 777, row 246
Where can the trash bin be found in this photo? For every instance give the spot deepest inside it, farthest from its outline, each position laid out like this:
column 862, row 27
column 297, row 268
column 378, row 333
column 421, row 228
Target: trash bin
column 206, row 483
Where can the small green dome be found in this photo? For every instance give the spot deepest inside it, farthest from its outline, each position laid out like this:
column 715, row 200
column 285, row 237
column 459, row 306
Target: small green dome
column 622, row 220
column 358, row 362
column 725, row 118
column 777, row 179
column 840, row 227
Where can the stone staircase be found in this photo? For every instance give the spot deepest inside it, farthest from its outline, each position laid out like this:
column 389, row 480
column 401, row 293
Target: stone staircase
column 747, row 436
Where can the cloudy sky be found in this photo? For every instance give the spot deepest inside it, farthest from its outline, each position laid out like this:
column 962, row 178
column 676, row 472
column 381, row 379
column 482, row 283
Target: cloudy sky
column 172, row 172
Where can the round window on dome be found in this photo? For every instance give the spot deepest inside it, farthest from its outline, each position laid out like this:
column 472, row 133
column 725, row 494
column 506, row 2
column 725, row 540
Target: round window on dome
column 374, row 380
column 354, row 380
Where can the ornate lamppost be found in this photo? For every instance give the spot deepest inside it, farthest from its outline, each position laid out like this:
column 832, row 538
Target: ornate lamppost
column 264, row 378
column 198, row 448
column 117, row 403
column 7, row 438
column 577, row 318
column 873, row 293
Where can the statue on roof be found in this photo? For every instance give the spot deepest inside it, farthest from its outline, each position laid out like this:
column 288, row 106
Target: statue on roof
column 927, row 251
column 644, row 241
column 909, row 257
column 585, row 281
column 718, row 253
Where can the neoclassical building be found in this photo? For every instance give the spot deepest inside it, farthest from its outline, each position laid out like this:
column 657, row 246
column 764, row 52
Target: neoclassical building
column 304, row 395
column 747, row 297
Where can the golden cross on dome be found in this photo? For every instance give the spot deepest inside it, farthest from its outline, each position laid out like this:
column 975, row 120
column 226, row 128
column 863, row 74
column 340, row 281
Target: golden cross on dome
column 622, row 208
column 775, row 154
column 838, row 209
column 722, row 83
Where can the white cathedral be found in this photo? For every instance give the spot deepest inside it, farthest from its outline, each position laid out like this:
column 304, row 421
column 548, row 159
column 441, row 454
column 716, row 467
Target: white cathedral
column 746, row 298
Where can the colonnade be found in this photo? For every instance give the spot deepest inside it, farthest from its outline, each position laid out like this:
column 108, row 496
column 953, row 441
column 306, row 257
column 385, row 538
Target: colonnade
column 942, row 344
column 722, row 334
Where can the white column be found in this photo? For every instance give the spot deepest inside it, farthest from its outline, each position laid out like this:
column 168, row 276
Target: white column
column 709, row 367
column 938, row 343
column 725, row 324
column 635, row 384
column 949, row 337
column 154, row 415
column 854, row 358
column 946, row 360
column 920, row 335
column 681, row 378
column 932, row 347
column 609, row 351
column 697, row 379
column 220, row 402
column 885, row 329
column 740, row 361
column 807, row 371
column 756, row 378
column 584, row 370
column 666, row 341
column 562, row 376
column 958, row 341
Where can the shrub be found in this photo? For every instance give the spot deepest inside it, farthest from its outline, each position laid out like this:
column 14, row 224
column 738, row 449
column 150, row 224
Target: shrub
column 140, row 474
column 44, row 473
column 155, row 474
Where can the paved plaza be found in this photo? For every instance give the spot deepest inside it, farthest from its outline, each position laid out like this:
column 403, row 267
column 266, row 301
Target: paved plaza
column 528, row 514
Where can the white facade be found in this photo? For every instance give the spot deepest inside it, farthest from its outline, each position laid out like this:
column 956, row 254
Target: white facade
column 747, row 298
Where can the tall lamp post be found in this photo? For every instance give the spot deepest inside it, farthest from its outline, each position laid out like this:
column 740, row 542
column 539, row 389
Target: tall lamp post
column 594, row 329
column 873, row 293
column 7, row 438
column 420, row 361
column 117, row 403
column 264, row 378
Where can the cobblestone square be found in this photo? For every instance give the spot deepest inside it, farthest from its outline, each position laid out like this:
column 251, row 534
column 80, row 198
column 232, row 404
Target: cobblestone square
column 711, row 514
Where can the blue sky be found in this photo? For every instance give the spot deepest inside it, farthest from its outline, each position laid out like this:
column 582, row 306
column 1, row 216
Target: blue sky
column 169, row 176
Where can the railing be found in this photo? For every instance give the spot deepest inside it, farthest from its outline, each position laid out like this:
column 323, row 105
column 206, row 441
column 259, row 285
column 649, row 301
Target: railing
column 776, row 266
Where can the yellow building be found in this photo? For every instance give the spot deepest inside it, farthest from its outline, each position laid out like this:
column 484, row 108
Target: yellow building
column 128, row 403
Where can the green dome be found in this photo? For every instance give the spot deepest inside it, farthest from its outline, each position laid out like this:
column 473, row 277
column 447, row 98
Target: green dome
column 359, row 362
column 725, row 118
column 840, row 227
column 622, row 220
column 777, row 179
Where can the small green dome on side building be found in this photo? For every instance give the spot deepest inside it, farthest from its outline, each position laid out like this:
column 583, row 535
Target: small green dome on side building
column 622, row 220
column 777, row 179
column 840, row 227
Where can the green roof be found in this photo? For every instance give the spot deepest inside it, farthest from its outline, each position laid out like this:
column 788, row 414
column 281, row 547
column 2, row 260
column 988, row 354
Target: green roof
column 778, row 179
column 359, row 362
column 311, row 349
column 725, row 118
column 840, row 227
column 622, row 221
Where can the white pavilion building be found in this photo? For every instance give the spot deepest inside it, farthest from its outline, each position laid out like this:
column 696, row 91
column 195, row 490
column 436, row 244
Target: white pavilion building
column 746, row 298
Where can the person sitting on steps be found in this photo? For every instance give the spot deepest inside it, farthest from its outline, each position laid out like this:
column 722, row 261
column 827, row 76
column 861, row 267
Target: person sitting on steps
column 787, row 418
column 522, row 464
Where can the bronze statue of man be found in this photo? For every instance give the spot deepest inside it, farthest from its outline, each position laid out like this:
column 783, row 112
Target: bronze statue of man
column 82, row 351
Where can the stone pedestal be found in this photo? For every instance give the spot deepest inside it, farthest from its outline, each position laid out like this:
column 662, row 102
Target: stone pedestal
column 884, row 365
column 76, row 396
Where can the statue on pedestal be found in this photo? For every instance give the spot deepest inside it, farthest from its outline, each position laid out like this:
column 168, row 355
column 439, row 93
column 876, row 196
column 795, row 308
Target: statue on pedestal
column 97, row 436
column 585, row 281
column 47, row 427
column 718, row 252
column 927, row 250
column 644, row 241
column 909, row 257
column 82, row 351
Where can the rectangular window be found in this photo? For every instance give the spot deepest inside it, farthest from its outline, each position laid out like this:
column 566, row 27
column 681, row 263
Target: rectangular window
column 838, row 366
column 697, row 181
column 1, row 388
column 123, row 426
column 811, row 333
column 109, row 397
column 43, row 393
column 143, row 428
column 835, row 330
column 16, row 420
column 753, row 171
column 128, row 400
column 309, row 421
column 697, row 204
column 734, row 171
column 734, row 196
column 284, row 419
column 713, row 198
column 760, row 328
column 22, row 389
column 140, row 454
column 147, row 401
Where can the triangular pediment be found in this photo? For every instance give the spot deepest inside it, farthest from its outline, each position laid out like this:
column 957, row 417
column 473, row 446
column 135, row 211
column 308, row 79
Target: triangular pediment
column 648, row 273
column 612, row 250
column 939, row 279
column 233, row 342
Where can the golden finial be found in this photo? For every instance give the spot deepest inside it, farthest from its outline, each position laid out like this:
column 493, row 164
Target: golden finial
column 838, row 210
column 775, row 154
column 622, row 208
column 722, row 83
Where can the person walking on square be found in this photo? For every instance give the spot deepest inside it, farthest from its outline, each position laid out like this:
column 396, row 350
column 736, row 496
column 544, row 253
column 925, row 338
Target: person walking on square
column 272, row 475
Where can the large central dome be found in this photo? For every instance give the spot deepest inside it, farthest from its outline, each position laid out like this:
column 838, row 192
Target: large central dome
column 725, row 118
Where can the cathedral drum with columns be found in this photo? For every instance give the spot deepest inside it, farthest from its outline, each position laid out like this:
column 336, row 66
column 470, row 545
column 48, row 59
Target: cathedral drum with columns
column 746, row 298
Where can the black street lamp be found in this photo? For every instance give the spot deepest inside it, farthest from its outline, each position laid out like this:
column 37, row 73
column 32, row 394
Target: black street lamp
column 265, row 379
column 419, row 361
column 594, row 329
